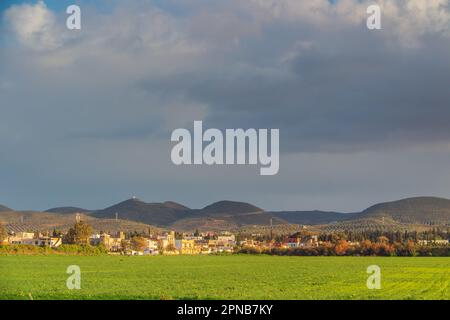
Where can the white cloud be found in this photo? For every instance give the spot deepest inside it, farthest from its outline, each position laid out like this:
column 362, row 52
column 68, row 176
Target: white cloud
column 34, row 25
column 404, row 21
column 408, row 21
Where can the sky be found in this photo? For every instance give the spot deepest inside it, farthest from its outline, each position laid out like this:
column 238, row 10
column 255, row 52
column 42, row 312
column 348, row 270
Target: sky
column 86, row 116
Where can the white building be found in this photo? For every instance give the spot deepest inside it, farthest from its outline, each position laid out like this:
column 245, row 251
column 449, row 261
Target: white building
column 226, row 240
column 41, row 241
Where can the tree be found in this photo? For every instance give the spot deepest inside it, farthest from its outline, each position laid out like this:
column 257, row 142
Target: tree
column 170, row 248
column 3, row 233
column 341, row 247
column 138, row 243
column 79, row 234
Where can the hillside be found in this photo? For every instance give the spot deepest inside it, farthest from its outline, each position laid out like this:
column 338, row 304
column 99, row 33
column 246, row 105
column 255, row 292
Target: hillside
column 68, row 210
column 314, row 217
column 224, row 215
column 225, row 222
column 421, row 210
column 159, row 214
column 222, row 208
column 4, row 208
column 45, row 221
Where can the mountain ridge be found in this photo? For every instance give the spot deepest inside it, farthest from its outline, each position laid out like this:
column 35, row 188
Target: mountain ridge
column 227, row 214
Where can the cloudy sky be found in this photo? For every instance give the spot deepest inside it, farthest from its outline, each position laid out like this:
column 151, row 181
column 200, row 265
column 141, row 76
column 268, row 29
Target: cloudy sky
column 86, row 116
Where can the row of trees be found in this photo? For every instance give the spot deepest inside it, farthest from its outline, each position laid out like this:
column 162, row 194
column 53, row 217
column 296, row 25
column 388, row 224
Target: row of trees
column 365, row 248
column 392, row 236
column 65, row 249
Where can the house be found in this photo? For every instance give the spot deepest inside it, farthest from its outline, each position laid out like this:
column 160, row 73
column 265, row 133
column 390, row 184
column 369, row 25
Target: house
column 41, row 241
column 152, row 247
column 293, row 242
column 111, row 243
column 185, row 246
column 25, row 235
column 166, row 241
column 226, row 240
column 298, row 240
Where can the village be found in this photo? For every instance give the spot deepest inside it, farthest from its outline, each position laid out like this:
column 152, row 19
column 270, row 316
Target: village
column 168, row 243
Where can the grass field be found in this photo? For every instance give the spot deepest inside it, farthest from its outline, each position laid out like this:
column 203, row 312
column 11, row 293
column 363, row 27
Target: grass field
column 223, row 277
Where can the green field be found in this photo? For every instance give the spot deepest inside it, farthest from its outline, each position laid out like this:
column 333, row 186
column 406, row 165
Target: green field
column 223, row 277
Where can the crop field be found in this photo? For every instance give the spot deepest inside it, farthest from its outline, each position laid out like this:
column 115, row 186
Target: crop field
column 223, row 277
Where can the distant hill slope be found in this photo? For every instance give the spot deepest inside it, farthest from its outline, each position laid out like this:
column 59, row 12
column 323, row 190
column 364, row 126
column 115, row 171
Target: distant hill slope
column 67, row 210
column 4, row 208
column 314, row 217
column 159, row 214
column 224, row 222
column 225, row 215
column 423, row 210
column 229, row 208
column 175, row 205
column 46, row 221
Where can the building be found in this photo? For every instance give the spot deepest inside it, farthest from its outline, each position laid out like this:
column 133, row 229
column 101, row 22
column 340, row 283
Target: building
column 25, row 235
column 298, row 240
column 187, row 246
column 40, row 241
column 152, row 247
column 111, row 243
column 167, row 241
column 226, row 240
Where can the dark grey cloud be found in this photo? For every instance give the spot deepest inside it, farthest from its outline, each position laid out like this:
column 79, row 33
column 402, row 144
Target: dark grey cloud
column 353, row 92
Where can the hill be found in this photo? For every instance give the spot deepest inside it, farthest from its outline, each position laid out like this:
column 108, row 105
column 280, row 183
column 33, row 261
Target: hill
column 160, row 214
column 68, row 210
column 224, row 215
column 46, row 221
column 226, row 207
column 421, row 210
column 4, row 208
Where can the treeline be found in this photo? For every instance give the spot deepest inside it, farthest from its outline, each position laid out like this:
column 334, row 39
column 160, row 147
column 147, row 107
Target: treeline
column 391, row 236
column 354, row 236
column 65, row 249
column 365, row 248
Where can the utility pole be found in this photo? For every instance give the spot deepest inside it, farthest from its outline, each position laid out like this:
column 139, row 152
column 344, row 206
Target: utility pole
column 117, row 216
